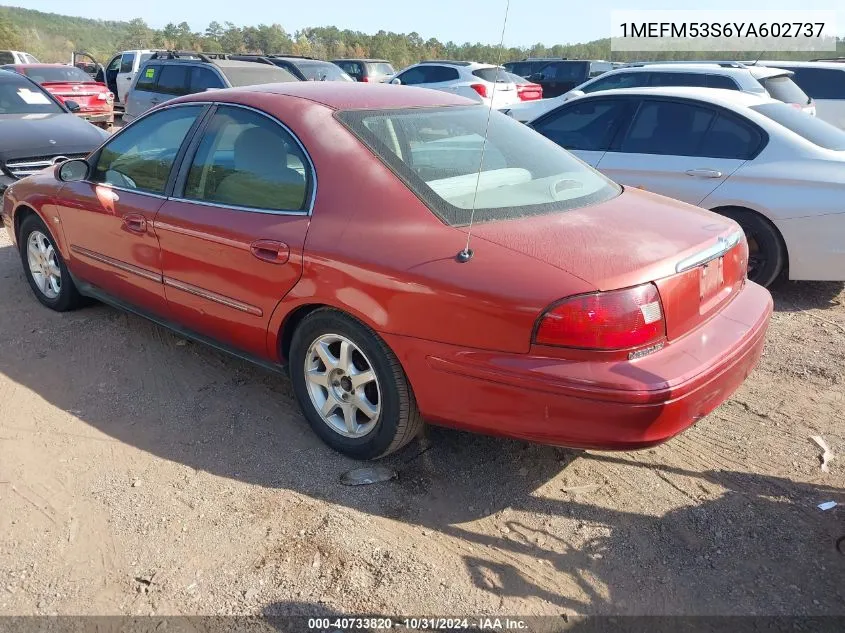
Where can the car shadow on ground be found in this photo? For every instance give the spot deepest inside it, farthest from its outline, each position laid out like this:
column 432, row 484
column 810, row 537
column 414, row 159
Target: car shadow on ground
column 760, row 547
column 795, row 296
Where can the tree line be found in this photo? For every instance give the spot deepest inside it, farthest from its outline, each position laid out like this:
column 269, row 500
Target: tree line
column 53, row 38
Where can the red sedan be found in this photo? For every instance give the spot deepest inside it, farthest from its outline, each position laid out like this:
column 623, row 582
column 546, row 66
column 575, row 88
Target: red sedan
column 322, row 227
column 69, row 83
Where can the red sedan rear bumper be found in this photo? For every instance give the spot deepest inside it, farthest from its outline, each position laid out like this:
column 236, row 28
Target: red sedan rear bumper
column 591, row 404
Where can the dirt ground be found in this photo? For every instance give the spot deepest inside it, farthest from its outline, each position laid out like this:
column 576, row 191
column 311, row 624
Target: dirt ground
column 142, row 474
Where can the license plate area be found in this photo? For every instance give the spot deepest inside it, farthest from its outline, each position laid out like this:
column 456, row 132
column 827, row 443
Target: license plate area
column 711, row 279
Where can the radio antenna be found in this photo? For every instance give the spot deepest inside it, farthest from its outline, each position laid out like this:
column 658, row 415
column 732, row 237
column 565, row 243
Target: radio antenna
column 466, row 254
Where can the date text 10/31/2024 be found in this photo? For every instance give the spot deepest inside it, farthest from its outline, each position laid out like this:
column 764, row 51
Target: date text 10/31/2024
column 415, row 624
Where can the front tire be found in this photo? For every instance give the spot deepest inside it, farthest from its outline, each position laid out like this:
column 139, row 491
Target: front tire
column 351, row 386
column 44, row 267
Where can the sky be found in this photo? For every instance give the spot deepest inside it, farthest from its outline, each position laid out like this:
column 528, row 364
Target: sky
column 529, row 21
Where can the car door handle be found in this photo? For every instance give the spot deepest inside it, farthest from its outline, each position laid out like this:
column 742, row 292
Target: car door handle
column 135, row 223
column 704, row 173
column 270, row 251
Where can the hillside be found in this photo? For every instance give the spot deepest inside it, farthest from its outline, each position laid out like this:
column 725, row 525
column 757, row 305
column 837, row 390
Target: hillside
column 53, row 37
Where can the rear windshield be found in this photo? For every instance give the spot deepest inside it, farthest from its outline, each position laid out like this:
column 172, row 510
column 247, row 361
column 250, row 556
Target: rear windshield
column 56, row 73
column 258, row 74
column 784, row 89
column 809, row 127
column 492, row 74
column 380, row 68
column 438, row 153
column 20, row 96
column 523, row 69
column 322, row 71
column 566, row 71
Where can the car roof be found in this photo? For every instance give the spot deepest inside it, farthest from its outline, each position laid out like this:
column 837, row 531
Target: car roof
column 830, row 65
column 361, row 59
column 719, row 96
column 340, row 95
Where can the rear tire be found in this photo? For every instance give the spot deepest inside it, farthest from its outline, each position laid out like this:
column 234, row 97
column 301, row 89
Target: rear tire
column 44, row 267
column 351, row 387
column 766, row 251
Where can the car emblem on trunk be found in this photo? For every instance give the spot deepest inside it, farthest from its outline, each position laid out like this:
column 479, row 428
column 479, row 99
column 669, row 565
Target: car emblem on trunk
column 52, row 142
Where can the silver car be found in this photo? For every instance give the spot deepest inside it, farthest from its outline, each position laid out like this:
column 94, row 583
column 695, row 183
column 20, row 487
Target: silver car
column 777, row 171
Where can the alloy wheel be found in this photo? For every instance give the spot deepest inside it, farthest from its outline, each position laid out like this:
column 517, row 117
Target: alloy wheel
column 342, row 385
column 44, row 265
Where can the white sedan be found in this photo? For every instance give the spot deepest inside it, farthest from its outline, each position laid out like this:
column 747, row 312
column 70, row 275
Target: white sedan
column 777, row 171
column 480, row 82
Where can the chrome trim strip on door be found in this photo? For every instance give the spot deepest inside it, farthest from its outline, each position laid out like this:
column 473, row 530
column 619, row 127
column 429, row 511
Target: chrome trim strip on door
column 116, row 263
column 722, row 246
column 201, row 235
column 213, row 296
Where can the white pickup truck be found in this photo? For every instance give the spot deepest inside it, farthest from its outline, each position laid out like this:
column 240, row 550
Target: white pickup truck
column 17, row 57
column 121, row 69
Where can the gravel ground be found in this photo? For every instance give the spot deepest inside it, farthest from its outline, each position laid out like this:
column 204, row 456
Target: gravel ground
column 142, row 474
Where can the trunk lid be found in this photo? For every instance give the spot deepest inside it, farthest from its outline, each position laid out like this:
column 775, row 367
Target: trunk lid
column 696, row 258
column 91, row 96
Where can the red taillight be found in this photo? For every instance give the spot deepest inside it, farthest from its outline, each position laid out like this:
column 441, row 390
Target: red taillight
column 618, row 319
column 366, row 80
column 481, row 89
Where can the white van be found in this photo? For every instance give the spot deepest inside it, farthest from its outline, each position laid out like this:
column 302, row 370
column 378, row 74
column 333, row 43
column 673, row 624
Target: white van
column 17, row 57
column 121, row 70
column 824, row 81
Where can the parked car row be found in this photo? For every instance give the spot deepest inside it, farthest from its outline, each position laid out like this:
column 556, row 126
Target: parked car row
column 353, row 236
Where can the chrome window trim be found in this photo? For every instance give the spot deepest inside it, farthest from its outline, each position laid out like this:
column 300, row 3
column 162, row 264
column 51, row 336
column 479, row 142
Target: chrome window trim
column 722, row 246
column 236, row 207
column 313, row 170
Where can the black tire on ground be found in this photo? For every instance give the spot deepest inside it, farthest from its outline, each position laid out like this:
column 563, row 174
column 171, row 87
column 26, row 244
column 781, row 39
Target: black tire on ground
column 767, row 253
column 399, row 420
column 68, row 297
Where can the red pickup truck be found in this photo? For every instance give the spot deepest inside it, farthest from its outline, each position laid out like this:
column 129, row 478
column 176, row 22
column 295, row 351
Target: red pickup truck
column 71, row 84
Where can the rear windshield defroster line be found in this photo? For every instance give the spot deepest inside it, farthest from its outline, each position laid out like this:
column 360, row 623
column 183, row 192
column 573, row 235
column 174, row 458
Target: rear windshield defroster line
column 435, row 151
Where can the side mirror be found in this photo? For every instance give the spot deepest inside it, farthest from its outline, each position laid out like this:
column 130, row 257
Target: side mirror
column 396, row 81
column 73, row 170
column 72, row 105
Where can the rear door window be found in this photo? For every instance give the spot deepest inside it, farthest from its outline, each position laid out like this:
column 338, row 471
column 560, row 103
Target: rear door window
column 667, row 127
column 784, row 89
column 820, row 83
column 127, row 62
column 720, row 81
column 173, row 80
column 148, row 77
column 437, row 74
column 730, row 138
column 246, row 159
column 204, row 78
column 677, row 79
column 620, row 80
column 587, row 125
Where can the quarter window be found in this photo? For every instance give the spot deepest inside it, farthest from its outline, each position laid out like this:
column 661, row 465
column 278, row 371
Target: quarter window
column 588, row 125
column 720, row 81
column 141, row 157
column 245, row 159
